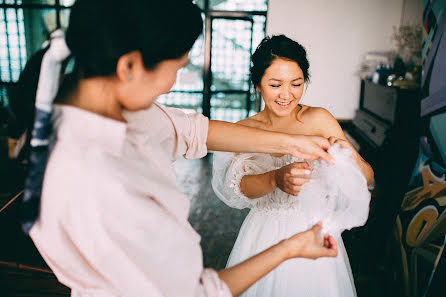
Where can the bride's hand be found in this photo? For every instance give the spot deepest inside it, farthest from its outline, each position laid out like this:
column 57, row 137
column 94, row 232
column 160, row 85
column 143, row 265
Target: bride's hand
column 309, row 147
column 290, row 178
column 310, row 244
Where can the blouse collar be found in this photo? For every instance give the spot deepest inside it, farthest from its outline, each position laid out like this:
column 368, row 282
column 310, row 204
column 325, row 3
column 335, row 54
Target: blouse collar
column 89, row 128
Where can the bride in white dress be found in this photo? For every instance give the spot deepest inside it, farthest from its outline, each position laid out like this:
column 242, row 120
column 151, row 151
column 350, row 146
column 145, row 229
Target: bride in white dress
column 287, row 195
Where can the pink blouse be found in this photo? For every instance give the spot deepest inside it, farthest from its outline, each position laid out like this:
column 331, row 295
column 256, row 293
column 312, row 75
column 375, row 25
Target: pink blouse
column 112, row 221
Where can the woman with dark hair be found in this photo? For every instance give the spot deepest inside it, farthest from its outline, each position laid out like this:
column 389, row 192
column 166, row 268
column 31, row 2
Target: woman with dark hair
column 268, row 184
column 100, row 202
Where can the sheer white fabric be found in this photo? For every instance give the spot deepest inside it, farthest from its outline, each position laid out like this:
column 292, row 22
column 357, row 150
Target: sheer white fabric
column 336, row 195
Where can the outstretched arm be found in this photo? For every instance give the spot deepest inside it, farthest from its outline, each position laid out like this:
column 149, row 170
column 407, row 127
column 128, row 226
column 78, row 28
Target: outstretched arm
column 308, row 244
column 229, row 137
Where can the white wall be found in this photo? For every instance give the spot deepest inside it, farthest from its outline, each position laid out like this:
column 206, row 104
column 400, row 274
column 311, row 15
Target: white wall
column 412, row 12
column 336, row 34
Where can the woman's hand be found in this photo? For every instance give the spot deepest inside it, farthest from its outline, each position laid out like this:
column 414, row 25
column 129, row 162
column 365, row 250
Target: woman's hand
column 345, row 144
column 309, row 147
column 290, row 178
column 307, row 244
column 310, row 244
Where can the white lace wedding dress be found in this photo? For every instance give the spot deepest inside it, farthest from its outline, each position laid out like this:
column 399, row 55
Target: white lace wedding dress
column 337, row 195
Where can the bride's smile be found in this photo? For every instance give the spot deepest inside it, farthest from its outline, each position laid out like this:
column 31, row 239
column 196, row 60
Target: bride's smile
column 282, row 86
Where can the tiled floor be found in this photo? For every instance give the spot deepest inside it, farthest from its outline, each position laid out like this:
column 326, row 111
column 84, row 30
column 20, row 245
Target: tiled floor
column 217, row 223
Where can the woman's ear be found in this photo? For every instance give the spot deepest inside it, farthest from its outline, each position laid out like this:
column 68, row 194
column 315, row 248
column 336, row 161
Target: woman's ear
column 128, row 65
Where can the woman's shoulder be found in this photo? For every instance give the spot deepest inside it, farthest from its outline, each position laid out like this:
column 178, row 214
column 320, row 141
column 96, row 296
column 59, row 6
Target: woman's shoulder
column 321, row 121
column 316, row 116
column 314, row 112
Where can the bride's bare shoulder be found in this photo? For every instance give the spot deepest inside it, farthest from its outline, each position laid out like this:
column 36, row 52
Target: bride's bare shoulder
column 320, row 121
column 315, row 114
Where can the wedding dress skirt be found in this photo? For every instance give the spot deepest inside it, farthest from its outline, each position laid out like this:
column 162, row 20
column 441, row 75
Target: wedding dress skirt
column 337, row 195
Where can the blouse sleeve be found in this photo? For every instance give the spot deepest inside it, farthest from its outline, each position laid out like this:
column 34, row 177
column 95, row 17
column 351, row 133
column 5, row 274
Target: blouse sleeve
column 212, row 286
column 176, row 132
column 191, row 130
column 228, row 171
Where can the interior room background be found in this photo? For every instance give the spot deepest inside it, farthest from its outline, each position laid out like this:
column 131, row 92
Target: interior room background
column 339, row 36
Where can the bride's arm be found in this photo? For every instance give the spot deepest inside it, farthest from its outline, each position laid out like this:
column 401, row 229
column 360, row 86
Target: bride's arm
column 308, row 244
column 229, row 137
column 289, row 179
column 255, row 186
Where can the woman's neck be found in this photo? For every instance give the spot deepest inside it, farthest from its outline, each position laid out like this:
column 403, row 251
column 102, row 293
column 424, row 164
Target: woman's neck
column 96, row 95
column 280, row 123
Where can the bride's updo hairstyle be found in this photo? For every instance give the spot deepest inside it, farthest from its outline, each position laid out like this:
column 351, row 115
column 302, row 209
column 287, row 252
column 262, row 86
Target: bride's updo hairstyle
column 277, row 46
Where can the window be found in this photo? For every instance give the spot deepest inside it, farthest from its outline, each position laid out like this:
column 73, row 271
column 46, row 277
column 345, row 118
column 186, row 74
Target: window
column 24, row 26
column 216, row 81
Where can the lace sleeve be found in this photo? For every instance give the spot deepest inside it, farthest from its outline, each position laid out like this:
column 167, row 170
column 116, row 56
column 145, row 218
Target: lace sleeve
column 337, row 195
column 228, row 171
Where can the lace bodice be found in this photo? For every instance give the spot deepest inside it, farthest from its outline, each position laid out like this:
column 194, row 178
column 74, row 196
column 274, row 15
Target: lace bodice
column 337, row 194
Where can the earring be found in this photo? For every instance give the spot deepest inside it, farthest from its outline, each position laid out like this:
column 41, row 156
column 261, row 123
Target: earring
column 129, row 76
